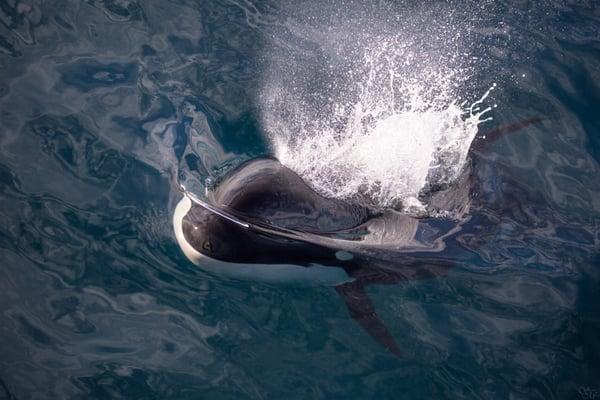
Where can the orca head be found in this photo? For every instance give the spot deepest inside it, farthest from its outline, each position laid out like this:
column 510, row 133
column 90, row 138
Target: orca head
column 265, row 189
column 262, row 191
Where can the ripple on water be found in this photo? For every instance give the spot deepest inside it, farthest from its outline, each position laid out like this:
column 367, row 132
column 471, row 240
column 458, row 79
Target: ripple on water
column 104, row 103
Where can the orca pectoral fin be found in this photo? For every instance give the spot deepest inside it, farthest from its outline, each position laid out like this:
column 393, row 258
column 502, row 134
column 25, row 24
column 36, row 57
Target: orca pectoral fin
column 360, row 306
column 362, row 310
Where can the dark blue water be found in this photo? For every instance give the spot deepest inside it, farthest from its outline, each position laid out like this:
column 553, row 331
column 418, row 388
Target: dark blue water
column 99, row 104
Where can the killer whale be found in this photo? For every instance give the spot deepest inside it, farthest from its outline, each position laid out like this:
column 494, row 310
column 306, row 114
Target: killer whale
column 263, row 222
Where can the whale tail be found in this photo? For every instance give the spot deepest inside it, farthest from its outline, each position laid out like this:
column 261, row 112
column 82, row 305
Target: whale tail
column 361, row 307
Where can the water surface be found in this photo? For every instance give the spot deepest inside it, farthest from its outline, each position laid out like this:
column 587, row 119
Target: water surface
column 105, row 105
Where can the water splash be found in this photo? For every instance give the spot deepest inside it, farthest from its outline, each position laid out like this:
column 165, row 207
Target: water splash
column 379, row 122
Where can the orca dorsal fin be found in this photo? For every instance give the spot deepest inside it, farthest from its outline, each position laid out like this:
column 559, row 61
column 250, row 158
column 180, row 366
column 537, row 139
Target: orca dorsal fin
column 481, row 141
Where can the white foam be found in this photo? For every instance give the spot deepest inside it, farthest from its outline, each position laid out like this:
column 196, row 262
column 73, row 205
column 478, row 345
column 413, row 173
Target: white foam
column 399, row 131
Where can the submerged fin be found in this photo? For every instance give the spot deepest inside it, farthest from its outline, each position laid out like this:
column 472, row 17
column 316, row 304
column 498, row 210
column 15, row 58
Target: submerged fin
column 360, row 306
column 362, row 310
column 481, row 141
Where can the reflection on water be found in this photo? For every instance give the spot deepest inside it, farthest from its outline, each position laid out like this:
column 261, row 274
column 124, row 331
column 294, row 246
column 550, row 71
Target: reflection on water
column 105, row 105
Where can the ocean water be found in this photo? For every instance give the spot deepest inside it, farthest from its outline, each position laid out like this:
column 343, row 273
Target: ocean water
column 106, row 107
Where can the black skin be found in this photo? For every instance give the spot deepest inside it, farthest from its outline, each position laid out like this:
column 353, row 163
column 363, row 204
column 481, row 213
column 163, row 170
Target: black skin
column 265, row 191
